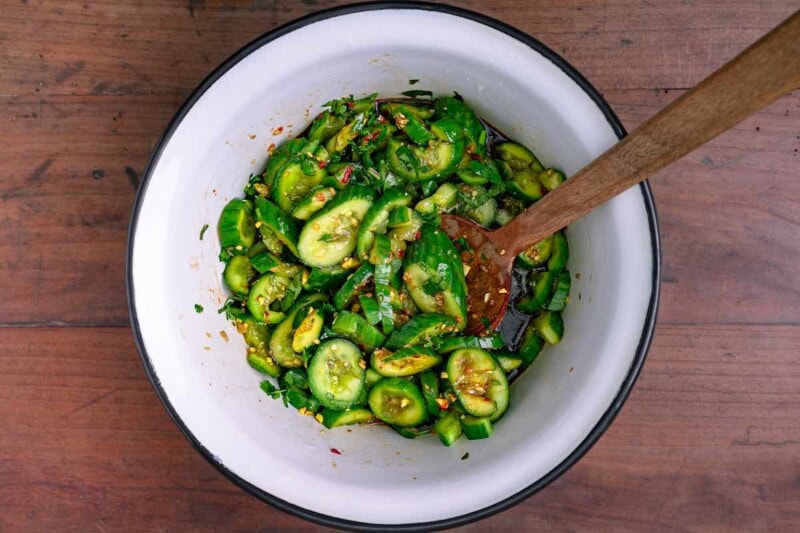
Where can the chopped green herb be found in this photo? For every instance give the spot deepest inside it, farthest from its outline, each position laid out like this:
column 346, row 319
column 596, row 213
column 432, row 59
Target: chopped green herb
column 271, row 390
column 413, row 82
column 203, row 231
column 198, row 308
column 486, row 322
column 465, row 456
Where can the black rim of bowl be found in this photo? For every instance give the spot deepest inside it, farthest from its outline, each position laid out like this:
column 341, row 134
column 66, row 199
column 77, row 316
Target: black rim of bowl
column 602, row 424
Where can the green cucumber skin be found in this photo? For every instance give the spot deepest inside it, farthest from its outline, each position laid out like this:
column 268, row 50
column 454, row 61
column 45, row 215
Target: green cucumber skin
column 356, row 328
column 352, row 285
column 421, row 328
column 413, row 414
column 281, row 225
column 329, row 355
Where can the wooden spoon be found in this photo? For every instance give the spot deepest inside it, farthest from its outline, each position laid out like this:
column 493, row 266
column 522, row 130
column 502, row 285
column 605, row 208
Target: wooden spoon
column 761, row 74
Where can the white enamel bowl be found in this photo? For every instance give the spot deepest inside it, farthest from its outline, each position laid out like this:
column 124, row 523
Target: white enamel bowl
column 559, row 407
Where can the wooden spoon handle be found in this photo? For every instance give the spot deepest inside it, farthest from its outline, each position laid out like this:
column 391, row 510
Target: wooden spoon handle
column 761, row 74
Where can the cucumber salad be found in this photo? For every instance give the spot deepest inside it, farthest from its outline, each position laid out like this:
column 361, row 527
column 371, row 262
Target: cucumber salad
column 349, row 296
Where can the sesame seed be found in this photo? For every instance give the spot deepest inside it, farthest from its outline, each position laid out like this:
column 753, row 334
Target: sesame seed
column 259, row 224
column 503, row 251
column 502, row 291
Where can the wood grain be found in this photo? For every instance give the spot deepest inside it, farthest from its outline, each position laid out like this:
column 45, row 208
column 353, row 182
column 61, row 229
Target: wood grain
column 709, row 438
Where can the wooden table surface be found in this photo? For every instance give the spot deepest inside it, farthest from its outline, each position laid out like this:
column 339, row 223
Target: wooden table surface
column 708, row 440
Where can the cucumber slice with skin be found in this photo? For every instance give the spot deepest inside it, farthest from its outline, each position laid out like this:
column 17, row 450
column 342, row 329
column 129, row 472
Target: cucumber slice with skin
column 404, row 362
column 484, row 214
column 357, row 329
column 264, row 262
column 457, row 110
column 517, row 156
column 409, row 232
column 434, row 276
column 352, row 286
column 266, row 291
column 413, row 163
column 560, row 254
column 508, row 361
column 448, row 130
column 313, row 202
column 399, row 217
column 412, row 432
column 530, row 346
column 550, row 326
column 525, row 185
column 439, row 202
column 335, row 376
column 420, row 329
column 324, row 279
column 398, row 402
column 372, row 377
column 561, row 295
column 369, row 306
column 325, row 127
column 550, row 179
column 411, row 125
column 479, row 382
column 419, row 111
column 377, row 217
column 542, row 284
column 308, row 331
column 448, row 428
column 276, row 223
column 476, row 428
column 342, row 138
column 295, row 181
column 280, row 343
column 536, row 255
column 429, row 382
column 451, row 344
column 263, row 363
column 236, row 226
column 332, row 418
column 238, row 273
column 329, row 236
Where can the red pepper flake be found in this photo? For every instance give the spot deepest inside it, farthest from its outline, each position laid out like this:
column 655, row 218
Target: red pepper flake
column 337, row 452
column 271, row 148
column 351, row 105
column 347, row 172
column 323, row 164
column 475, row 157
column 417, row 235
column 382, row 119
column 400, row 254
column 278, row 130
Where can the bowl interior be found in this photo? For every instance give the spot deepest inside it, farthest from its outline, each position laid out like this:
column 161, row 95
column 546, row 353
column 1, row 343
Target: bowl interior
column 379, row 477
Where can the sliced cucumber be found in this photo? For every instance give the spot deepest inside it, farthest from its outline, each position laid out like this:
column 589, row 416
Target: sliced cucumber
column 325, row 127
column 491, row 342
column 236, row 226
column 541, row 290
column 265, row 294
column 399, row 217
column 357, row 329
column 339, row 141
column 438, row 159
column 484, row 214
column 429, row 382
column 419, row 111
column 372, row 377
column 237, row 274
column 295, row 181
column 517, row 156
column 308, row 331
column 525, row 185
column 421, row 329
column 413, row 432
column 550, row 179
column 276, row 223
column 531, row 345
column 349, row 291
column 332, row 418
column 404, row 362
column 377, row 217
column 409, row 232
column 296, row 377
column 560, row 254
column 329, row 236
column 448, row 130
column 561, row 295
column 476, row 428
column 448, row 428
column 280, row 343
column 313, row 202
column 263, row 363
column 457, row 110
column 536, row 255
column 398, row 402
column 508, row 361
column 439, row 202
column 479, row 382
column 324, row 279
column 414, row 127
column 435, row 277
column 550, row 326
column 335, row 376
column 369, row 306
